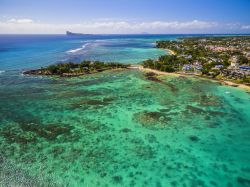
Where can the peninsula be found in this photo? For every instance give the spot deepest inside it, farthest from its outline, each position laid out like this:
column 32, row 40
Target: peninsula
column 76, row 69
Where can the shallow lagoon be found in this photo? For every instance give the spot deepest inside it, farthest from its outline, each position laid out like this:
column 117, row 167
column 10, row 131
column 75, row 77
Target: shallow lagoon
column 120, row 129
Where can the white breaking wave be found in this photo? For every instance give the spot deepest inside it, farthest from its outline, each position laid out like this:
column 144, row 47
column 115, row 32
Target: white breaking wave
column 2, row 71
column 75, row 50
column 78, row 49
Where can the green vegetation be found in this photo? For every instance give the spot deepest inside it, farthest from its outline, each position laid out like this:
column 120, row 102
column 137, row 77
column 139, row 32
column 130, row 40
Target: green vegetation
column 76, row 69
column 164, row 65
column 216, row 57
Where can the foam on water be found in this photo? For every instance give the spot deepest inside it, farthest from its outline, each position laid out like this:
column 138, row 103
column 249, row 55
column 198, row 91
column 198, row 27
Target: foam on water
column 78, row 49
column 75, row 50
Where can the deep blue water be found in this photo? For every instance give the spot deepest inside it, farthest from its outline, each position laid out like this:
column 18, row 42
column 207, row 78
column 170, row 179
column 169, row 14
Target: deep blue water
column 18, row 52
column 32, row 51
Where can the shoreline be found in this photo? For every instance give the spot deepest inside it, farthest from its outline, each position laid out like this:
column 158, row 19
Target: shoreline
column 223, row 82
column 158, row 72
column 171, row 52
column 232, row 84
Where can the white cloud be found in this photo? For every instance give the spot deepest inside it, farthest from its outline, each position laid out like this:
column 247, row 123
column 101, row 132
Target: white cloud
column 107, row 26
column 195, row 24
column 13, row 20
column 245, row 27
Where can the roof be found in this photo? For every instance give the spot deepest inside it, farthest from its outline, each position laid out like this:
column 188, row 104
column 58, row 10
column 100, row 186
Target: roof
column 245, row 67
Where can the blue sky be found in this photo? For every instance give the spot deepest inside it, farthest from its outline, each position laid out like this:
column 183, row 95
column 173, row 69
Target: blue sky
column 125, row 16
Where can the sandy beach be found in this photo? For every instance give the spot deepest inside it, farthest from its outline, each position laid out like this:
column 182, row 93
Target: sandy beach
column 157, row 72
column 224, row 82
column 170, row 52
column 228, row 83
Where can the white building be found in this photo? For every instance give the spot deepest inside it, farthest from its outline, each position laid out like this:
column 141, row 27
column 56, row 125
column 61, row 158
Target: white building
column 234, row 60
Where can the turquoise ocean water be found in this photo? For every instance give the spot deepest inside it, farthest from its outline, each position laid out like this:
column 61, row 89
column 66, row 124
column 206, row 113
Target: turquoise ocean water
column 115, row 128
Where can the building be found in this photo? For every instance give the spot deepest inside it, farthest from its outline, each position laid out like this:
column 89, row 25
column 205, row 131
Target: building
column 248, row 55
column 234, row 60
column 245, row 68
column 187, row 67
column 197, row 63
column 198, row 67
column 218, row 67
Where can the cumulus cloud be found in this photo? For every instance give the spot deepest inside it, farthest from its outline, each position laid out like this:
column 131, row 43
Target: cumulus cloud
column 108, row 26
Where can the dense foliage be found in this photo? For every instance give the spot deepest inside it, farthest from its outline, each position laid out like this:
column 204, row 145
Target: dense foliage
column 74, row 69
column 207, row 55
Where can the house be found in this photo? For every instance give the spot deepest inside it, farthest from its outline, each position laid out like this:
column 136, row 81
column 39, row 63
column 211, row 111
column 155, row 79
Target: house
column 234, row 60
column 198, row 67
column 186, row 56
column 248, row 55
column 218, row 67
column 187, row 67
column 246, row 68
column 196, row 63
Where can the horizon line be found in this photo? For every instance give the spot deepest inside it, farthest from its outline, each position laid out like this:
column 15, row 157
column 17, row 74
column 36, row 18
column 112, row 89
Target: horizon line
column 127, row 34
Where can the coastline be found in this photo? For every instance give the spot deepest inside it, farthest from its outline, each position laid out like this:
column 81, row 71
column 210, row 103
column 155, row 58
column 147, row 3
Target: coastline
column 232, row 84
column 171, row 52
column 223, row 82
column 157, row 71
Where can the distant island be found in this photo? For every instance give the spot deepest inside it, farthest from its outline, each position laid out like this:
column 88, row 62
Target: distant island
column 68, row 33
column 76, row 69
